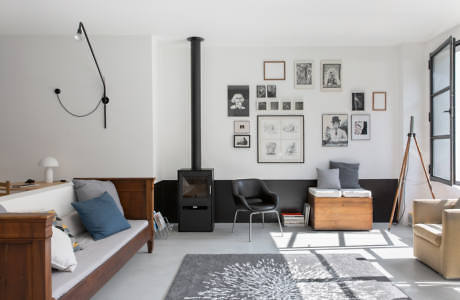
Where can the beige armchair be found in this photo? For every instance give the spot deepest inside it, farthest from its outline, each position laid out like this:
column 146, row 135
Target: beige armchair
column 436, row 228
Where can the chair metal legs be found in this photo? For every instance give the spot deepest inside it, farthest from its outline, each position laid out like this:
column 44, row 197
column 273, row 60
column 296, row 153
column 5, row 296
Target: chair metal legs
column 263, row 220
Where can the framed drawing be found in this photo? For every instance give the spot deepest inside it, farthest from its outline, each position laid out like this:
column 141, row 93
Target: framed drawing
column 357, row 101
column 274, row 105
column 274, row 70
column 240, row 127
column 335, row 130
column 298, row 105
column 280, row 139
column 303, row 74
column 361, row 127
column 261, row 91
column 271, row 91
column 242, row 141
column 238, row 100
column 331, row 75
column 286, row 105
column 262, row 105
column 379, row 101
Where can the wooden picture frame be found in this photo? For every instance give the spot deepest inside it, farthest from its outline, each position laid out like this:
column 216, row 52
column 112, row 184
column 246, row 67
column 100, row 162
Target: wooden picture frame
column 280, row 139
column 274, row 70
column 241, row 141
column 379, row 101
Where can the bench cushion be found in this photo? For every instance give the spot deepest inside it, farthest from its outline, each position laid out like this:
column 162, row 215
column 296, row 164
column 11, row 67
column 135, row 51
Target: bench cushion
column 329, row 193
column 429, row 232
column 93, row 255
column 356, row 193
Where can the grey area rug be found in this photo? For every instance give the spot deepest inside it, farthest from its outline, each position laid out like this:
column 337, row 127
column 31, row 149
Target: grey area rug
column 278, row 276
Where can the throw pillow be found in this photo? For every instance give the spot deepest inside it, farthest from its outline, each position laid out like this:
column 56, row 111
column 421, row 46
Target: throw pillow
column 328, row 179
column 101, row 216
column 348, row 174
column 73, row 222
column 62, row 256
column 90, row 189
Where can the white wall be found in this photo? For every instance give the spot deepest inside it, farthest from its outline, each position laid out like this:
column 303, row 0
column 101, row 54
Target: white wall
column 33, row 125
column 370, row 69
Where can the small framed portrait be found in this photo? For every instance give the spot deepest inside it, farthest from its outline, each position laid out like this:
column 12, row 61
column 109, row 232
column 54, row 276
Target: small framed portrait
column 241, row 127
column 274, row 105
column 287, row 105
column 335, row 130
column 361, row 127
column 357, row 101
column 238, row 100
column 261, row 91
column 331, row 75
column 379, row 101
column 271, row 91
column 242, row 141
column 262, row 105
column 298, row 105
column 303, row 74
column 274, row 70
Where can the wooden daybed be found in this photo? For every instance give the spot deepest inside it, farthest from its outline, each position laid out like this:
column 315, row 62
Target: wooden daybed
column 25, row 247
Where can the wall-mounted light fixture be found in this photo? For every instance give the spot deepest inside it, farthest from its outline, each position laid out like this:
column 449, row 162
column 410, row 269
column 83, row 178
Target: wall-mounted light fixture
column 81, row 31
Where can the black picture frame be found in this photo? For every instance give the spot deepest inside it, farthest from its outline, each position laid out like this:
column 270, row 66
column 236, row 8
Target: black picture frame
column 238, row 100
column 301, row 139
column 357, row 101
column 235, row 143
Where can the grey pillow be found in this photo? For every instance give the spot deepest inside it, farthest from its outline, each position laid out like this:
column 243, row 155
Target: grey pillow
column 73, row 223
column 2, row 209
column 90, row 189
column 328, row 179
column 348, row 174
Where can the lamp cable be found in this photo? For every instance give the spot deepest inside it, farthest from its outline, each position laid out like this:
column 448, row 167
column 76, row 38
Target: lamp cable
column 57, row 92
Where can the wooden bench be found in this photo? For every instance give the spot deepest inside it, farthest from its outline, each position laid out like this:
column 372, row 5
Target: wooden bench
column 340, row 213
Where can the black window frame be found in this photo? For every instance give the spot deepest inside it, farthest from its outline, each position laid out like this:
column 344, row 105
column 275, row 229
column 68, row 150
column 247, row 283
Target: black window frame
column 452, row 44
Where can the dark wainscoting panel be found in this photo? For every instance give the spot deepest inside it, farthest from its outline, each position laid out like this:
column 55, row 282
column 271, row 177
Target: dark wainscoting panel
column 292, row 193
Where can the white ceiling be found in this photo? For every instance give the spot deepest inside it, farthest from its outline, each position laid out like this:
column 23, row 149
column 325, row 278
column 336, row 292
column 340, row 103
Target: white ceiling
column 275, row 22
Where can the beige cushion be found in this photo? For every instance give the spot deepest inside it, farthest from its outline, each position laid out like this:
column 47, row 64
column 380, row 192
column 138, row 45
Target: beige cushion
column 429, row 232
column 328, row 193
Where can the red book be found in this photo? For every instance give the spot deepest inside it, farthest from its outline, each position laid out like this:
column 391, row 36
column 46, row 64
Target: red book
column 291, row 214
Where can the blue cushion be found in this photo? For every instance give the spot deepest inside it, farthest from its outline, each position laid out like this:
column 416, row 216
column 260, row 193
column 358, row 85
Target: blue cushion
column 101, row 216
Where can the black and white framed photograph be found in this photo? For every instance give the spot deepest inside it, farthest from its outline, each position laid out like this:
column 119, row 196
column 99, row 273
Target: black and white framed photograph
column 242, row 141
column 241, row 127
column 357, row 101
column 303, row 74
column 361, row 127
column 331, row 75
column 287, row 105
column 274, row 105
column 335, row 130
column 280, row 139
column 262, row 105
column 238, row 100
column 298, row 105
column 274, row 70
column 261, row 91
column 271, row 91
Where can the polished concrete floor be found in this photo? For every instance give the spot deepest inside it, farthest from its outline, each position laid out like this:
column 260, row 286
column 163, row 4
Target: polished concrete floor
column 148, row 276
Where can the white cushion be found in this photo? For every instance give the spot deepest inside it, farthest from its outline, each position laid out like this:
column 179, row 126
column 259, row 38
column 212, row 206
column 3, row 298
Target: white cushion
column 356, row 193
column 94, row 254
column 322, row 193
column 62, row 255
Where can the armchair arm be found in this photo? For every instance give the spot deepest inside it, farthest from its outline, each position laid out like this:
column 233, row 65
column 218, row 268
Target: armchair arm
column 430, row 211
column 451, row 242
column 243, row 201
column 269, row 194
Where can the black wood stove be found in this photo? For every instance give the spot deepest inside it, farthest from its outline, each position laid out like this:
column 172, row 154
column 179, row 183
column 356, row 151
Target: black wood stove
column 196, row 185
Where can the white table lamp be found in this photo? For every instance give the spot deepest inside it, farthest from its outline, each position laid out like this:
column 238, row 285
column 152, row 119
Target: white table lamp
column 48, row 163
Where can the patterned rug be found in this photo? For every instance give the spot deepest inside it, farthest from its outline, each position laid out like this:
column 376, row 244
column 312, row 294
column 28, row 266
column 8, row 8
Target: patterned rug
column 278, row 276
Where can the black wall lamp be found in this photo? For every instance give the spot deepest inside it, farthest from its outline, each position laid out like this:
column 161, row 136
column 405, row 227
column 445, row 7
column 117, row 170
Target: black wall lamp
column 104, row 100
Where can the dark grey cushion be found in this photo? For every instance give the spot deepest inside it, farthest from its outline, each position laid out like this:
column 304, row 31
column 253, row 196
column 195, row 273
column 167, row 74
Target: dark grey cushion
column 348, row 173
column 328, row 179
column 2, row 209
column 90, row 189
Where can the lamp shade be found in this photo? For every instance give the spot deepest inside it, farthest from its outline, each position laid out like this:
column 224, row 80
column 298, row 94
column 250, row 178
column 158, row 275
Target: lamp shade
column 48, row 162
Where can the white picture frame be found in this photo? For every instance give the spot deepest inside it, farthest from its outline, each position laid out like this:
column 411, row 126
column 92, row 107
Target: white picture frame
column 331, row 75
column 360, row 127
column 335, row 130
column 304, row 74
column 241, row 127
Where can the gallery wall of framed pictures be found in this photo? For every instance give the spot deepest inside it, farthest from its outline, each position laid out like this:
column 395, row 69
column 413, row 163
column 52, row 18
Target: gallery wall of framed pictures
column 278, row 113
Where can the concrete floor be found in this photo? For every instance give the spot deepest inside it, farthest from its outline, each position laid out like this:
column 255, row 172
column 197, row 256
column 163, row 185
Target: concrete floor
column 148, row 276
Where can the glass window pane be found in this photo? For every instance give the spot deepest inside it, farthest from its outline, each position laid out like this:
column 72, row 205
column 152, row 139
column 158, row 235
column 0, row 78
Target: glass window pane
column 441, row 69
column 441, row 116
column 441, row 158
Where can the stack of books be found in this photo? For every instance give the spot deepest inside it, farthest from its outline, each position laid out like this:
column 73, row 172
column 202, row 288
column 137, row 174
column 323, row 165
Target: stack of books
column 293, row 219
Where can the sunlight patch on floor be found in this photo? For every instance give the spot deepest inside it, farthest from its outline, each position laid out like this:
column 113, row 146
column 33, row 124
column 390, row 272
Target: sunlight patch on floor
column 281, row 241
column 307, row 239
column 382, row 269
column 365, row 239
column 394, row 253
column 361, row 252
